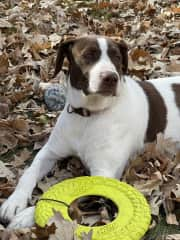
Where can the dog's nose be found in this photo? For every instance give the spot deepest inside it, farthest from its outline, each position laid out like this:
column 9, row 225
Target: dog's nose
column 109, row 78
column 108, row 84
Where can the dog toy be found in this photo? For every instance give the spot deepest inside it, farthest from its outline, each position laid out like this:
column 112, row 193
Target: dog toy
column 55, row 97
column 133, row 212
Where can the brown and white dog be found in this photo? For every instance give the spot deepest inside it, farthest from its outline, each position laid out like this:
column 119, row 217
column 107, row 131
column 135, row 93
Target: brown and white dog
column 107, row 117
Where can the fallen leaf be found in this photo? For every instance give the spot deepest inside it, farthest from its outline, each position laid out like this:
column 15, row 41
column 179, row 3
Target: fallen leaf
column 64, row 229
column 176, row 191
column 4, row 110
column 7, row 142
column 6, row 188
column 4, row 23
column 173, row 67
column 43, row 233
column 171, row 219
column 4, row 64
column 175, row 10
column 20, row 125
column 147, row 187
column 173, row 237
column 19, row 160
column 140, row 61
column 5, row 172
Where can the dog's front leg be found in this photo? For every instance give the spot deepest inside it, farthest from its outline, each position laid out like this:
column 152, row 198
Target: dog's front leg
column 56, row 148
column 41, row 165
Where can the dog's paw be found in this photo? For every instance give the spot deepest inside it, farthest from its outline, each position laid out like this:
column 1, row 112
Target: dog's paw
column 13, row 205
column 23, row 219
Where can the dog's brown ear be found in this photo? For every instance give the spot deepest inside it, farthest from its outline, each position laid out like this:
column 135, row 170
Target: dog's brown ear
column 123, row 47
column 63, row 51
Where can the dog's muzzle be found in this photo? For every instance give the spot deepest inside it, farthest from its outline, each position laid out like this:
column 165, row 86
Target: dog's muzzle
column 109, row 81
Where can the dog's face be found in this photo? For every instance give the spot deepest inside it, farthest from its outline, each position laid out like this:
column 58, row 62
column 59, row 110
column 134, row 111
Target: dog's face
column 96, row 65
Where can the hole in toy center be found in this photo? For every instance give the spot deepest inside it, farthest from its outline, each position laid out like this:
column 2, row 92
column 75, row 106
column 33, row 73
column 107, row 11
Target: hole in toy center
column 93, row 210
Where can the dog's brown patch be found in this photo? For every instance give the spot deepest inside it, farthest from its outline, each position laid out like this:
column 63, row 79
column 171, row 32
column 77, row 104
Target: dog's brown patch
column 157, row 111
column 85, row 53
column 176, row 90
column 118, row 53
column 82, row 54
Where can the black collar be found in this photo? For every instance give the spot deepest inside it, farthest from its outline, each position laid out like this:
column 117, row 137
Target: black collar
column 81, row 111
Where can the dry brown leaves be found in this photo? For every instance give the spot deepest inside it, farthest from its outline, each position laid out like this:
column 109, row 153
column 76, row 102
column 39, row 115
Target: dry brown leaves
column 29, row 34
column 156, row 173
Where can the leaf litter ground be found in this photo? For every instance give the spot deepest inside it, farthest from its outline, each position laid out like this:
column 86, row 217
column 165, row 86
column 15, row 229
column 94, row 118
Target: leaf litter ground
column 29, row 35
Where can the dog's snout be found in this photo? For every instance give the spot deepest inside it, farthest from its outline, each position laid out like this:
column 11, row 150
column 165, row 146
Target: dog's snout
column 109, row 78
column 109, row 82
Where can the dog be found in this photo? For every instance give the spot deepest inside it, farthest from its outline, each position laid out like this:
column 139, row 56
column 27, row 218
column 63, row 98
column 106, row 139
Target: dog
column 107, row 117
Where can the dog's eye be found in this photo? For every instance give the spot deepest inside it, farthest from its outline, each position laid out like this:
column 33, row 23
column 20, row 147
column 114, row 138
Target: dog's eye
column 114, row 53
column 118, row 57
column 89, row 56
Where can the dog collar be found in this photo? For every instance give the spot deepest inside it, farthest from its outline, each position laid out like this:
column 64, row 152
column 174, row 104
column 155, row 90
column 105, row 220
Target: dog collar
column 81, row 111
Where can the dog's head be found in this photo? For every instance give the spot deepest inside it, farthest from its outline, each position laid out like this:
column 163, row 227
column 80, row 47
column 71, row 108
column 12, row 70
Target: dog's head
column 96, row 66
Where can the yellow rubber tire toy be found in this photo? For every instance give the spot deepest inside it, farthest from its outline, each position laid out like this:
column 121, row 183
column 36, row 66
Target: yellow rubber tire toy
column 131, row 222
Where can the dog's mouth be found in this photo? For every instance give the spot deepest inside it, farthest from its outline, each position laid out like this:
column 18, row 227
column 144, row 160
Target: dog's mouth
column 107, row 93
column 104, row 93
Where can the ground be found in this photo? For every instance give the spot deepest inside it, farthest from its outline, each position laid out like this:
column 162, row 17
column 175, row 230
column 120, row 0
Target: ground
column 29, row 35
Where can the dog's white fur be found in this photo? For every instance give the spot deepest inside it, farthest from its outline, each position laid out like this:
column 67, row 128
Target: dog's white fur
column 104, row 141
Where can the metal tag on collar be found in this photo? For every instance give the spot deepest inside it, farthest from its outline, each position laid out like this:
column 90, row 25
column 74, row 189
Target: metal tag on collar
column 70, row 109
